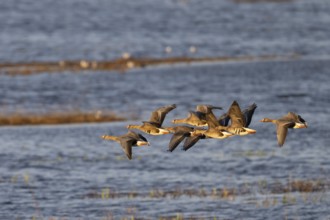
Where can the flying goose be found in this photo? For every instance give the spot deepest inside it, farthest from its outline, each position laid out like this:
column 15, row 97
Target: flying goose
column 179, row 134
column 248, row 113
column 197, row 118
column 154, row 125
column 193, row 118
column 199, row 133
column 290, row 120
column 238, row 122
column 127, row 141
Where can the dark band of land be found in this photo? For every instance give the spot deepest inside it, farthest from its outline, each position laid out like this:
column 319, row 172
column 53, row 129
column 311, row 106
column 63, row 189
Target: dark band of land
column 58, row 118
column 121, row 64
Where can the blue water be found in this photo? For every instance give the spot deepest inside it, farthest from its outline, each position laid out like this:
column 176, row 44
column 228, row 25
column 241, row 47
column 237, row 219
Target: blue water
column 67, row 164
column 104, row 29
column 64, row 171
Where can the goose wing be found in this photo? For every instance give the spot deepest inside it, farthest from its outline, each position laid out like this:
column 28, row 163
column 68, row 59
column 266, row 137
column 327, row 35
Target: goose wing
column 159, row 114
column 236, row 116
column 209, row 115
column 295, row 117
column 206, row 108
column 126, row 144
column 191, row 141
column 248, row 113
column 282, row 130
column 224, row 119
column 176, row 139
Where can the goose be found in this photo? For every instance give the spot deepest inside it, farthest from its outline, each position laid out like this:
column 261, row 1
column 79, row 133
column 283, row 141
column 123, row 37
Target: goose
column 197, row 118
column 179, row 134
column 194, row 118
column 154, row 125
column 199, row 133
column 238, row 122
column 290, row 120
column 248, row 113
column 127, row 141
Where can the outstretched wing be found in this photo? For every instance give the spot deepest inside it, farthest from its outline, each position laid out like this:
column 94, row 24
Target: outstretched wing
column 211, row 120
column 191, row 141
column 282, row 130
column 248, row 113
column 126, row 144
column 224, row 119
column 176, row 139
column 159, row 114
column 236, row 116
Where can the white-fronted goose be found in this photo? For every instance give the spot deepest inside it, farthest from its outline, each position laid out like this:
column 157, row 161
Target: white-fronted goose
column 248, row 114
column 199, row 133
column 290, row 120
column 238, row 123
column 211, row 132
column 179, row 134
column 153, row 126
column 127, row 141
column 197, row 118
column 193, row 118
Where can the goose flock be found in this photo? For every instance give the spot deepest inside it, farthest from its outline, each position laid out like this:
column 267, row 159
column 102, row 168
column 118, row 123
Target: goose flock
column 202, row 124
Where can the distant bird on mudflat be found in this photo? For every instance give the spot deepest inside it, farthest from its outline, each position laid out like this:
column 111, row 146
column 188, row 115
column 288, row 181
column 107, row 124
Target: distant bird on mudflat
column 154, row 125
column 290, row 120
column 127, row 141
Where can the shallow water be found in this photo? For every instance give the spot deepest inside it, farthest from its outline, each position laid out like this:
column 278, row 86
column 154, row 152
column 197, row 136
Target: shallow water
column 68, row 172
column 61, row 171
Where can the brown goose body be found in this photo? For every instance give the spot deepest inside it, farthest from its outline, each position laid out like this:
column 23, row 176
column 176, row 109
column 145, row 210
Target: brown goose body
column 197, row 118
column 194, row 118
column 290, row 120
column 154, row 125
column 210, row 132
column 127, row 141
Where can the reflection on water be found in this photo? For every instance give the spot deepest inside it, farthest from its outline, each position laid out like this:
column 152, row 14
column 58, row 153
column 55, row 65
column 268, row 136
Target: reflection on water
column 68, row 171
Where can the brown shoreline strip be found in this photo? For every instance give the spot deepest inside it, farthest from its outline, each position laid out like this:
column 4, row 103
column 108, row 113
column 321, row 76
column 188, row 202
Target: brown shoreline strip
column 59, row 118
column 121, row 64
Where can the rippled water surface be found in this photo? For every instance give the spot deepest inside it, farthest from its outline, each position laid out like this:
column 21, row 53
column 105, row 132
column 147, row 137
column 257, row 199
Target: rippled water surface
column 104, row 29
column 66, row 171
column 69, row 172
